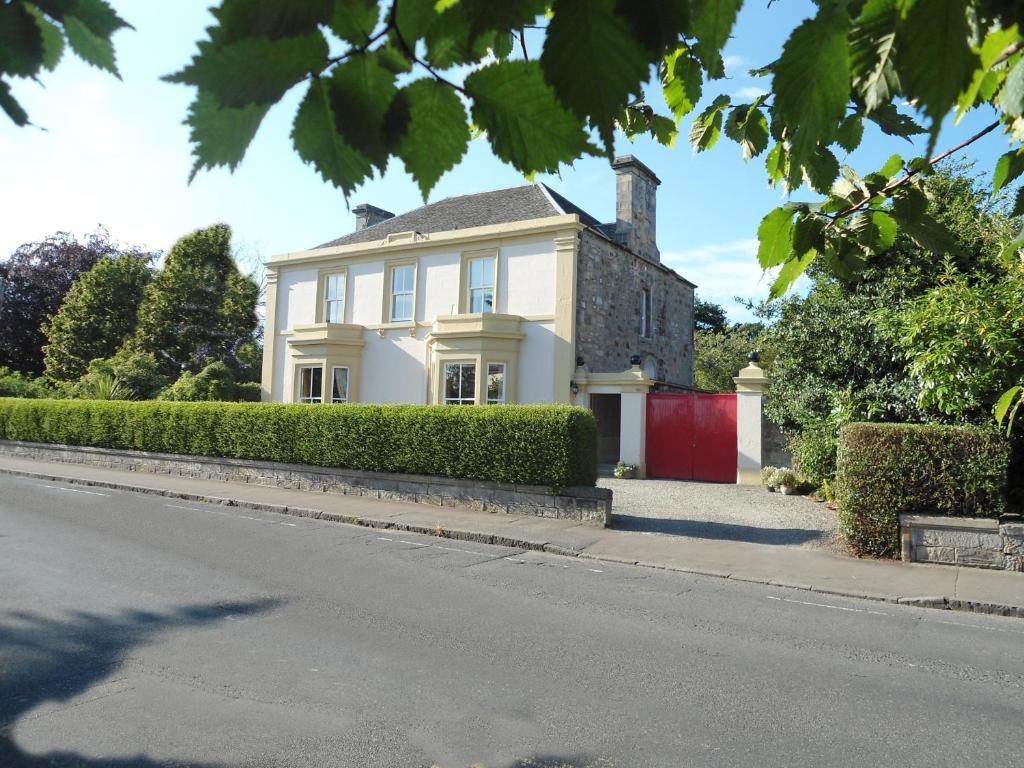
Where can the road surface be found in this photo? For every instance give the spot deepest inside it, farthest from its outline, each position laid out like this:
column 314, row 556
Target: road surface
column 142, row 631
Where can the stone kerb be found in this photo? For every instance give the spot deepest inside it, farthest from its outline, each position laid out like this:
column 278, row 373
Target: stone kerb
column 592, row 505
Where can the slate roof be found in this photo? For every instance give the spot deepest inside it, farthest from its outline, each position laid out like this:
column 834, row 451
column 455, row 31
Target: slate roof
column 501, row 206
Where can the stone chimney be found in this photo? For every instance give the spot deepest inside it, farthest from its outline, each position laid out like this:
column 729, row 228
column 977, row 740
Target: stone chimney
column 636, row 192
column 368, row 215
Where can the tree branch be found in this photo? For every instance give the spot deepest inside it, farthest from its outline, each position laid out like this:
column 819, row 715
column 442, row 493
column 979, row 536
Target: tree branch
column 892, row 186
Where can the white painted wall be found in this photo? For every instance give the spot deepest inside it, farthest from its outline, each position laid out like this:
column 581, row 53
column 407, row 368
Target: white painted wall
column 394, row 367
column 296, row 298
column 529, row 269
column 536, row 363
column 438, row 285
column 633, row 429
column 748, row 438
column 365, row 292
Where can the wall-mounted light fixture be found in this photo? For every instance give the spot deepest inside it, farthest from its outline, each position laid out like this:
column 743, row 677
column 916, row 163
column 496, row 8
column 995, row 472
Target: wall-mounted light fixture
column 574, row 388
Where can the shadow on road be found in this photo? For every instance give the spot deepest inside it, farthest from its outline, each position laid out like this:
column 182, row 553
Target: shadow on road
column 44, row 659
column 700, row 529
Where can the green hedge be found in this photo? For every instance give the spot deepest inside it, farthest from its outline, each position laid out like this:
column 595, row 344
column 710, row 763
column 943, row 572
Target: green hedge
column 885, row 470
column 549, row 445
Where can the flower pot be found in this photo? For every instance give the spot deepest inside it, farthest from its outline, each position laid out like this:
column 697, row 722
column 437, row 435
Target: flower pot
column 787, row 490
column 625, row 474
column 771, row 488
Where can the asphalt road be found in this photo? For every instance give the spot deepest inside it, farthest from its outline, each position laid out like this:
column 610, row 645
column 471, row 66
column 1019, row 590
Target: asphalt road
column 141, row 631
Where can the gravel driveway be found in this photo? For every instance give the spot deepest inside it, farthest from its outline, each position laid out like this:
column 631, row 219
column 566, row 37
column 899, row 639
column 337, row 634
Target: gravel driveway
column 720, row 511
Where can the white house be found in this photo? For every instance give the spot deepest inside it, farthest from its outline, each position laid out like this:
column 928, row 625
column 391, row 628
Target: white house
column 511, row 296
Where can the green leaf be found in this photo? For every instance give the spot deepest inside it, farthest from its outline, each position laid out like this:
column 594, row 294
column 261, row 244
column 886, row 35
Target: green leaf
column 1008, row 168
column 893, row 123
column 11, row 106
column 748, row 127
column 316, row 139
column 221, row 135
column 929, row 234
column 97, row 15
column 985, row 80
column 355, row 20
column 361, row 90
column 892, row 166
column 872, row 45
column 1011, row 98
column 254, row 70
column 1018, row 203
column 885, row 228
column 53, row 38
column 777, row 163
column 909, row 205
column 789, row 274
column 525, row 123
column 712, row 24
column 1007, row 399
column 707, row 127
column 655, row 24
column 663, row 130
column 273, row 19
column 821, row 170
column 934, row 57
column 90, row 47
column 850, row 132
column 812, row 81
column 808, row 233
column 592, row 62
column 681, row 82
column 437, row 134
column 775, row 238
column 21, row 41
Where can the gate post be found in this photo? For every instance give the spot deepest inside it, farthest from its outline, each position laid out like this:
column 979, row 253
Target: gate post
column 750, row 386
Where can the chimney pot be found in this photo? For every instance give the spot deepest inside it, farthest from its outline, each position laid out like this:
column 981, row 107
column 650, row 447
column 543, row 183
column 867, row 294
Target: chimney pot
column 368, row 215
column 636, row 191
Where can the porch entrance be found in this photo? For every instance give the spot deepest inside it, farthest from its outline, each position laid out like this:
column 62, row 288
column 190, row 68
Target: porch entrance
column 608, row 413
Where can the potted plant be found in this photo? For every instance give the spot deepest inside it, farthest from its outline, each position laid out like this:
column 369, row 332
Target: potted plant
column 785, row 480
column 767, row 475
column 625, row 471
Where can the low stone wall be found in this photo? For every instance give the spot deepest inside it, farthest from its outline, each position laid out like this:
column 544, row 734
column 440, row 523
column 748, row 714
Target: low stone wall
column 974, row 542
column 576, row 503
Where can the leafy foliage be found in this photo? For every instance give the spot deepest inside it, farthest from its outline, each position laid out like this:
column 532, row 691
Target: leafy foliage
column 886, row 470
column 720, row 354
column 215, row 382
column 135, row 375
column 33, row 284
column 553, row 446
column 199, row 308
column 17, row 384
column 97, row 315
column 32, row 36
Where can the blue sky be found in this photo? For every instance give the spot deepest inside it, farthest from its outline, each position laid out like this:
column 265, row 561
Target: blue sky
column 116, row 153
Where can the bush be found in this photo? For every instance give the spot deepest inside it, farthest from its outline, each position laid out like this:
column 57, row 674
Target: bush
column 136, row 375
column 17, row 384
column 553, row 446
column 814, row 452
column 215, row 382
column 885, row 470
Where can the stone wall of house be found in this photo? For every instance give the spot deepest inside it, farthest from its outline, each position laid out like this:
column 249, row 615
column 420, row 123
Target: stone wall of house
column 608, row 299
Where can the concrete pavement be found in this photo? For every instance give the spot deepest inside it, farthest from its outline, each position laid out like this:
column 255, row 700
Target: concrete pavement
column 968, row 589
column 144, row 631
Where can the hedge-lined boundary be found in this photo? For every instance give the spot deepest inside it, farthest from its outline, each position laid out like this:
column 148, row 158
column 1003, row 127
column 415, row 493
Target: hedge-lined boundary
column 546, row 445
column 885, row 470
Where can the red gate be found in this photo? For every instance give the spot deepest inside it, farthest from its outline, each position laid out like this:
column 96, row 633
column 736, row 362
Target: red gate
column 692, row 436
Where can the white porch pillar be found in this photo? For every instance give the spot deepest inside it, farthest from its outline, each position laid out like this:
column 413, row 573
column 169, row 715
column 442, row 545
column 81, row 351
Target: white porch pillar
column 633, row 431
column 750, row 386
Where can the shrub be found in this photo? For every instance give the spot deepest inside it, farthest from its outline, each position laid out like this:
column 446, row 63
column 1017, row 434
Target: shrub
column 814, row 452
column 214, row 382
column 885, row 470
column 136, row 374
column 554, row 446
column 17, row 384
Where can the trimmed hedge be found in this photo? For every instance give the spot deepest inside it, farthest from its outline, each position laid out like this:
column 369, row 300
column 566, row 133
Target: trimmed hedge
column 885, row 470
column 548, row 445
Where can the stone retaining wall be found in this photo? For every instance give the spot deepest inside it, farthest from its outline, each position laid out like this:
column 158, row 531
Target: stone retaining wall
column 974, row 542
column 575, row 503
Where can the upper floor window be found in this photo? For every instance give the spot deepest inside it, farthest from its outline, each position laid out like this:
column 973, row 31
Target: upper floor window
column 645, row 311
column 334, row 298
column 481, row 285
column 311, row 384
column 403, row 288
column 459, row 383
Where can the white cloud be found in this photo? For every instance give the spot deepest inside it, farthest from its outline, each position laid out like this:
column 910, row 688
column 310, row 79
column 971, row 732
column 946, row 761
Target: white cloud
column 749, row 93
column 732, row 63
column 724, row 271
